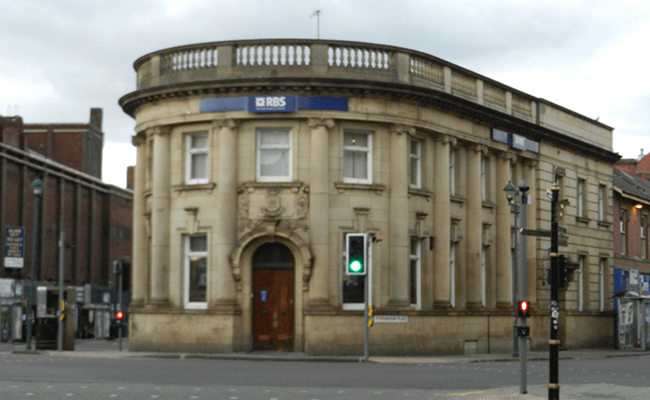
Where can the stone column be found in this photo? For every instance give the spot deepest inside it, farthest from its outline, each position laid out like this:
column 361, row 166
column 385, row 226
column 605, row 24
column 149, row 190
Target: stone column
column 398, row 209
column 319, row 204
column 223, row 291
column 529, row 175
column 504, row 238
column 139, row 255
column 474, row 227
column 160, row 218
column 442, row 222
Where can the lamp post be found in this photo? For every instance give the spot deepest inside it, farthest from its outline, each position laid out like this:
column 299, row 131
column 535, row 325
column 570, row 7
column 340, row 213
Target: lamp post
column 511, row 192
column 37, row 188
column 520, row 214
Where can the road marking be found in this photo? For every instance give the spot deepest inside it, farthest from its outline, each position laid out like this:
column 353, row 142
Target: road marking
column 69, row 394
column 29, row 394
column 113, row 395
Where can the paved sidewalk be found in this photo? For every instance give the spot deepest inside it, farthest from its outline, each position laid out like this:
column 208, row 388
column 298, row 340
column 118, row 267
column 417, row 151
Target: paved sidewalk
column 109, row 349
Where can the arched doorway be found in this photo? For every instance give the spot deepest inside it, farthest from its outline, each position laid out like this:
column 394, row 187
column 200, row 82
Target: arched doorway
column 273, row 297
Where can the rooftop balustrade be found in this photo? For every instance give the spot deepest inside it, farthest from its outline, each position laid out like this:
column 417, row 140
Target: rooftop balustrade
column 254, row 62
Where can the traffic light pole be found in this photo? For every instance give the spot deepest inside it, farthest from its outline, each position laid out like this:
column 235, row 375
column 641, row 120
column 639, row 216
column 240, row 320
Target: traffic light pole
column 367, row 303
column 523, row 277
column 59, row 342
column 554, row 342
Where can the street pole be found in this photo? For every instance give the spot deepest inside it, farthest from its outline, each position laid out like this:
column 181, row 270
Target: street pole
column 59, row 345
column 37, row 187
column 523, row 348
column 515, row 346
column 367, row 302
column 119, row 301
column 554, row 342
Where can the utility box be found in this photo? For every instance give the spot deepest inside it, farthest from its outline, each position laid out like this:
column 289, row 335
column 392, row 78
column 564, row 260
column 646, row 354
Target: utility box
column 633, row 327
column 48, row 314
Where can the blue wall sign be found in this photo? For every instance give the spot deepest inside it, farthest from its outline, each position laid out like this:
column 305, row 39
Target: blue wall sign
column 515, row 141
column 14, row 247
column 264, row 296
column 273, row 104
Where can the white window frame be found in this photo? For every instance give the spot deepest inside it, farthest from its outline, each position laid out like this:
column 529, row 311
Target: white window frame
column 580, row 195
column 415, row 255
column 581, row 281
column 190, row 152
column 415, row 164
column 367, row 150
column 602, row 192
column 261, row 148
column 452, row 171
column 187, row 254
column 601, row 283
column 643, row 236
column 622, row 232
column 452, row 274
column 484, row 178
column 484, row 256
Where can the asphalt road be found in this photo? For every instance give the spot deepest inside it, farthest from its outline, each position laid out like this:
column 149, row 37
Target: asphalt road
column 61, row 376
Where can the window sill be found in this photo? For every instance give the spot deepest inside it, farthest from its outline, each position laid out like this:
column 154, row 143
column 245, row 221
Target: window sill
column 209, row 187
column 583, row 220
column 342, row 187
column 421, row 192
column 457, row 199
column 604, row 224
column 252, row 186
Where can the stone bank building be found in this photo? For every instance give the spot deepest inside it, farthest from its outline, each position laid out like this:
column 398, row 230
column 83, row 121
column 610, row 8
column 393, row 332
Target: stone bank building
column 255, row 158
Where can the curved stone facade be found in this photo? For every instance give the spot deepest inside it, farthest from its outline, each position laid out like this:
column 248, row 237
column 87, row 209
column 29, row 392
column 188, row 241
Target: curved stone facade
column 298, row 142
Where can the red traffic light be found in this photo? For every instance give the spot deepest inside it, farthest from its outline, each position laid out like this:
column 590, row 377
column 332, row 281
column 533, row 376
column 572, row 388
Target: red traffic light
column 524, row 309
column 119, row 315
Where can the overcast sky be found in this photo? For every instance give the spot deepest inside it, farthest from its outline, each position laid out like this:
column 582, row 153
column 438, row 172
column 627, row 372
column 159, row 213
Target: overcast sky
column 59, row 58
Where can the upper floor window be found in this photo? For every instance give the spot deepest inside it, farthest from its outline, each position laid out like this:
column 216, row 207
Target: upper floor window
column 196, row 274
column 623, row 233
column 485, row 178
column 196, row 158
column 644, row 239
column 415, row 164
column 274, row 158
column 602, row 201
column 581, row 198
column 415, row 273
column 452, row 172
column 357, row 157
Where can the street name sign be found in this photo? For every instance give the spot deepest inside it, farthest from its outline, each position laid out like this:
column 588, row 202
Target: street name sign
column 391, row 319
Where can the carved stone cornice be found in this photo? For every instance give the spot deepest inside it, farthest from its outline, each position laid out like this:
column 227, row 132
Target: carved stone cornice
column 316, row 122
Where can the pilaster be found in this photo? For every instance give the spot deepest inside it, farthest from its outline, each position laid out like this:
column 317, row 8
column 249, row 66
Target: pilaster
column 442, row 222
column 474, row 227
column 504, row 238
column 139, row 254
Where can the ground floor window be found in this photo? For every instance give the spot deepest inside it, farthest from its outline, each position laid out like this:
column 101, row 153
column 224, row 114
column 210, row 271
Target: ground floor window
column 196, row 275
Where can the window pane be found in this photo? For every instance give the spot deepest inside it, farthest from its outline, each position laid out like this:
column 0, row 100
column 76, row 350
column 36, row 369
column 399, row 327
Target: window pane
column 274, row 162
column 360, row 168
column 415, row 148
column 199, row 141
column 413, row 289
column 198, row 279
column 356, row 139
column 199, row 166
column 198, row 243
column 414, row 171
column 274, row 138
column 353, row 289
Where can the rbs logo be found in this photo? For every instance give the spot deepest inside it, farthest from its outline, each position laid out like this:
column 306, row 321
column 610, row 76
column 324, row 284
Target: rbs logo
column 271, row 101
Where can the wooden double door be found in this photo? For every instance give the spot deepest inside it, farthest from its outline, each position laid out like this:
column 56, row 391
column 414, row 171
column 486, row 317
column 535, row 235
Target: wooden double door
column 273, row 303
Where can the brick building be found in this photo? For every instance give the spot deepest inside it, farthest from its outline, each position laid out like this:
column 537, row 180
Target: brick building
column 95, row 216
column 631, row 220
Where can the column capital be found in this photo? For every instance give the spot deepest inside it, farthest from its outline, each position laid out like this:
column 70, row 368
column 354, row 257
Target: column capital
column 507, row 156
column 478, row 148
column 530, row 163
column 446, row 139
column 226, row 123
column 316, row 122
column 137, row 140
column 159, row 130
column 399, row 129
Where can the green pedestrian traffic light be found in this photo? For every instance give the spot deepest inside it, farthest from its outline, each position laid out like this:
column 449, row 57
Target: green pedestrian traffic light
column 356, row 245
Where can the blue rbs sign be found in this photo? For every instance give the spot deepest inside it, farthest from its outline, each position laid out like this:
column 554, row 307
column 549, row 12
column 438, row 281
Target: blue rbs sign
column 273, row 104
